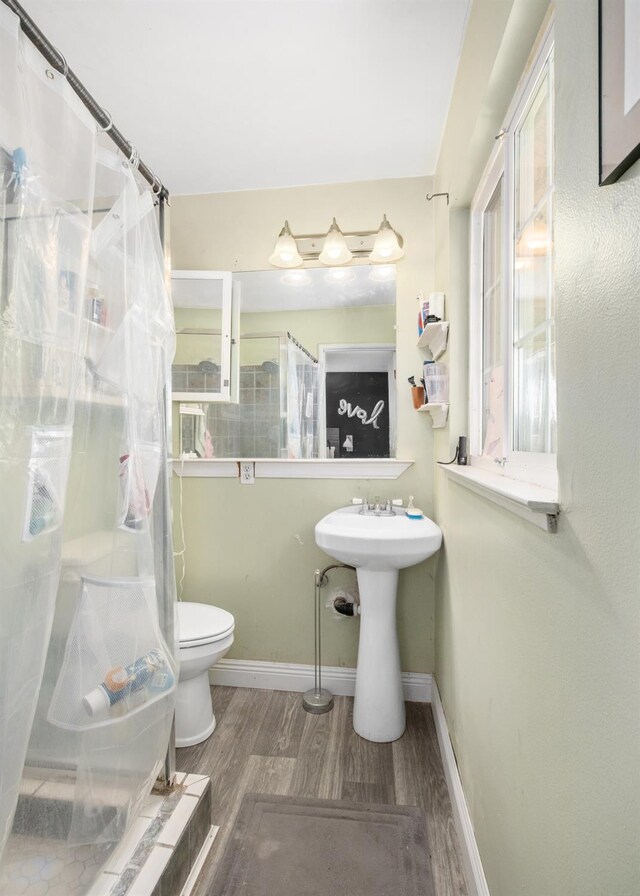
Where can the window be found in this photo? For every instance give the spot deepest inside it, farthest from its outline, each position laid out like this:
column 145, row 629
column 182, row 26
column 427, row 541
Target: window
column 513, row 380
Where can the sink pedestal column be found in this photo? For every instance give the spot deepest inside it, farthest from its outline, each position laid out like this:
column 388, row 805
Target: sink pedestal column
column 378, row 711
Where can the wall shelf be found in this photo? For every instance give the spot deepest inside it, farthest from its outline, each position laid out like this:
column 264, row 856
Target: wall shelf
column 434, row 338
column 439, row 412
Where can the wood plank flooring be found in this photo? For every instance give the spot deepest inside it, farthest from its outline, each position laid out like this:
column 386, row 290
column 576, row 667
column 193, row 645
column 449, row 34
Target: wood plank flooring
column 266, row 743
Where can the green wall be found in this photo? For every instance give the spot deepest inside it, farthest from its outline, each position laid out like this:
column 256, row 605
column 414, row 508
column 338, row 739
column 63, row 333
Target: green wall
column 537, row 650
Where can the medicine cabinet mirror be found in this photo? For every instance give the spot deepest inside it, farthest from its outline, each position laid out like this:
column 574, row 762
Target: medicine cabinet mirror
column 206, row 306
column 287, row 318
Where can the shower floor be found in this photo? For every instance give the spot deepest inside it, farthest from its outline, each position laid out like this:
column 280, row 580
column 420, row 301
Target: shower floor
column 266, row 743
column 154, row 857
column 36, row 867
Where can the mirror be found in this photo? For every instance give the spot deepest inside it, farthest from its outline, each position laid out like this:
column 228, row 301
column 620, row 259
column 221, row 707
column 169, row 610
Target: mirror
column 288, row 320
column 202, row 304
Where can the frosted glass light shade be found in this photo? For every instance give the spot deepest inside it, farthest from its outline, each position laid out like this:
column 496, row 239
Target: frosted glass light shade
column 335, row 250
column 285, row 253
column 387, row 246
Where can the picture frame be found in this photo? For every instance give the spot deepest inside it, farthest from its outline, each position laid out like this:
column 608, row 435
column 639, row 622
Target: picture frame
column 619, row 87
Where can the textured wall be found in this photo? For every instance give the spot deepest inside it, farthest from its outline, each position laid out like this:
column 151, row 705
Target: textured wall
column 250, row 549
column 537, row 653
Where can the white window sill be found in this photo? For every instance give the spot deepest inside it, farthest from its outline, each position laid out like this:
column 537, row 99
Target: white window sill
column 276, row 468
column 534, row 503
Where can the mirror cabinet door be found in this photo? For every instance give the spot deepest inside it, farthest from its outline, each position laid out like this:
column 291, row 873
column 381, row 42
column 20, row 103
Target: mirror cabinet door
column 202, row 302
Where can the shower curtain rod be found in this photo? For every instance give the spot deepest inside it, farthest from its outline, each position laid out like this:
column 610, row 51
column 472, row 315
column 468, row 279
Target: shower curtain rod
column 57, row 60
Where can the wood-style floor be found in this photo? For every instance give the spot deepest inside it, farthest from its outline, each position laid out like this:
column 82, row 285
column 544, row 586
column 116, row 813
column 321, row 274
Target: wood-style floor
column 266, row 743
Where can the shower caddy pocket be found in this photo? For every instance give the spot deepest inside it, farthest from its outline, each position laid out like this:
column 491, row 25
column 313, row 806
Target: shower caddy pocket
column 47, row 479
column 116, row 662
column 139, row 471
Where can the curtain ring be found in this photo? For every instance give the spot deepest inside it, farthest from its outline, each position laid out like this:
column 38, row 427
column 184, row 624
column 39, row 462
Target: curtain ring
column 134, row 158
column 104, row 128
column 65, row 67
column 157, row 181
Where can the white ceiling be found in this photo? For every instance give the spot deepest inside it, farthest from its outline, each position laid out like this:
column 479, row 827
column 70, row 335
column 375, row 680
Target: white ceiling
column 222, row 95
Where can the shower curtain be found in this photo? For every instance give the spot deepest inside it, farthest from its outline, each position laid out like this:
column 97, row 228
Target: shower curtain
column 302, row 402
column 87, row 652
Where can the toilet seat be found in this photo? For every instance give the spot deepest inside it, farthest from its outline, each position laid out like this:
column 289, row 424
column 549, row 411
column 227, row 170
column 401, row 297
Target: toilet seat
column 202, row 624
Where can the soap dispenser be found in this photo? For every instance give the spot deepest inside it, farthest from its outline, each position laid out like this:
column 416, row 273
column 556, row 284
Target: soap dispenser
column 414, row 513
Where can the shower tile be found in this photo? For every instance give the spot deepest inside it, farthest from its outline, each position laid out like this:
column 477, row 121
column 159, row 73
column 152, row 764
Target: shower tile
column 196, row 784
column 247, row 379
column 196, row 381
column 151, row 872
column 263, row 396
column 102, row 886
column 178, row 380
column 175, row 874
column 151, row 807
column 124, row 853
column 264, row 380
column 180, row 817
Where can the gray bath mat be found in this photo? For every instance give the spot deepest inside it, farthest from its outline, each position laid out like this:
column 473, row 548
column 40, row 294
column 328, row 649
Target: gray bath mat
column 286, row 846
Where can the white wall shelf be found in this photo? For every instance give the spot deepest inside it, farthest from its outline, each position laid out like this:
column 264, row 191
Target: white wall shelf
column 434, row 338
column 439, row 412
column 276, row 468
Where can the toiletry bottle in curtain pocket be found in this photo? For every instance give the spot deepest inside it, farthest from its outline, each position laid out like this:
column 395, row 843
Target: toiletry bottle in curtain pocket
column 151, row 670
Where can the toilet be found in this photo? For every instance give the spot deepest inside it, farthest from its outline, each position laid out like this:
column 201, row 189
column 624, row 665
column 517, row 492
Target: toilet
column 206, row 634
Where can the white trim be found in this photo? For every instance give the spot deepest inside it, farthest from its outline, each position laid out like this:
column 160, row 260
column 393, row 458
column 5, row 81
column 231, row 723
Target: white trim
column 298, row 677
column 207, row 468
column 304, row 468
column 474, row 872
column 339, row 468
column 533, row 503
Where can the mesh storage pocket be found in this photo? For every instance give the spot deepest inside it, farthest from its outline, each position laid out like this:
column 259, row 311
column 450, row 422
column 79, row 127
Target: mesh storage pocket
column 116, row 661
column 139, row 472
column 47, row 479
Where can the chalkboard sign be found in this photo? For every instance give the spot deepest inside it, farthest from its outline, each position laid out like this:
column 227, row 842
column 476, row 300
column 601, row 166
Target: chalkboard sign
column 357, row 412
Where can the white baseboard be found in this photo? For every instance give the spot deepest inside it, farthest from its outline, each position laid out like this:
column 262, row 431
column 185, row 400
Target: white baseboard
column 476, row 881
column 298, row 677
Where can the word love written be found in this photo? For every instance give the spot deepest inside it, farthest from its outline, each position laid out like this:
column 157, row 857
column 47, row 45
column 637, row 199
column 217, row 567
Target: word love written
column 344, row 407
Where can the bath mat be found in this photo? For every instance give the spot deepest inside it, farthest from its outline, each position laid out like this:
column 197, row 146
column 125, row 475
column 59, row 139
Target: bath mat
column 286, row 846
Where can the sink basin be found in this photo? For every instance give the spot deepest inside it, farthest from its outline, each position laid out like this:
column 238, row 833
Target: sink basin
column 379, row 547
column 377, row 542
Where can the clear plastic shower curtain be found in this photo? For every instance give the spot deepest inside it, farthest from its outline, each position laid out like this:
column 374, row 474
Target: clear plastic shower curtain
column 302, row 399
column 87, row 653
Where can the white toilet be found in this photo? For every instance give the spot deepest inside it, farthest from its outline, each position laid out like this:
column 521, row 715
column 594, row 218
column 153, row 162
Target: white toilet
column 206, row 634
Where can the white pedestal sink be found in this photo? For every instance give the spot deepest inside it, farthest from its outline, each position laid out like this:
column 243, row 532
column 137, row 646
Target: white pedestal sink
column 378, row 546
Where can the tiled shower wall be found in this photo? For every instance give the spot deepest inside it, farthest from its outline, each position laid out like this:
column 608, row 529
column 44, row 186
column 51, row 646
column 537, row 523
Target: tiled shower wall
column 251, row 428
column 248, row 429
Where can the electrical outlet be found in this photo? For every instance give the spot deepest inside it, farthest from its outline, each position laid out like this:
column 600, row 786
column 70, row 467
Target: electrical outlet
column 247, row 472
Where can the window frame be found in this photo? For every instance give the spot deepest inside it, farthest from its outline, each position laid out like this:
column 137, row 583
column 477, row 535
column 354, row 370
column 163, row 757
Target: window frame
column 535, row 468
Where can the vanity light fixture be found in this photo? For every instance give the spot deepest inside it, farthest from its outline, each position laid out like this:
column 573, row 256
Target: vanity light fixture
column 336, row 247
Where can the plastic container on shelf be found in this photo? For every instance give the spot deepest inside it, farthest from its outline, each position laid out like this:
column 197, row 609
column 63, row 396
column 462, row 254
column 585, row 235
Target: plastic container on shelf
column 436, row 382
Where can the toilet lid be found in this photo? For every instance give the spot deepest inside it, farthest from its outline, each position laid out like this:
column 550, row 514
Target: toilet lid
column 201, row 623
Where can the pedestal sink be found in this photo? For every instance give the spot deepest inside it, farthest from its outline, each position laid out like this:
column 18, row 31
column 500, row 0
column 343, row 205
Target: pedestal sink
column 378, row 546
